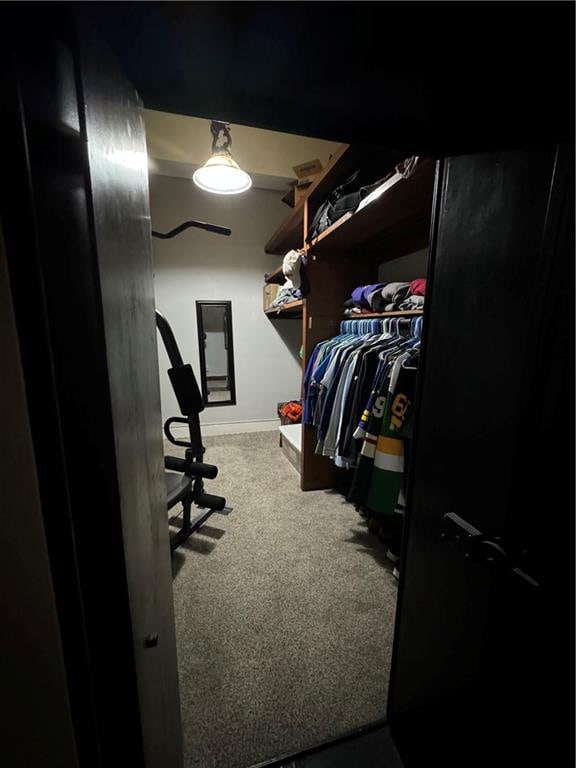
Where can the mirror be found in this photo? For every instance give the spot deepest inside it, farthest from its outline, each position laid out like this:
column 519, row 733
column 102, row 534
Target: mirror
column 216, row 352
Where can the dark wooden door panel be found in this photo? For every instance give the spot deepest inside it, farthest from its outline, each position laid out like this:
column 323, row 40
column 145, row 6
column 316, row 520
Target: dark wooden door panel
column 492, row 259
column 119, row 194
column 58, row 313
column 74, row 207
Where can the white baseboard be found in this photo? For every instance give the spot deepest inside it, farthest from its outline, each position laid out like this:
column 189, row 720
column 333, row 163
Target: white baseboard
column 230, row 428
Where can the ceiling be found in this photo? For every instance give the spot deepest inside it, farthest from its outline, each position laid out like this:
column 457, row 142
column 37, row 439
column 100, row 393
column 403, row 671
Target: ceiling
column 177, row 144
column 418, row 77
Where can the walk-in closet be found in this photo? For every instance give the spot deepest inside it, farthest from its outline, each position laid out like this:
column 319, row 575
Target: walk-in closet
column 302, row 304
column 287, row 386
column 303, row 323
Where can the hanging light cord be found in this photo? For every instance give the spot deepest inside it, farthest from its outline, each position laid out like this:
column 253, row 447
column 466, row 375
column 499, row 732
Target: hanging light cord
column 221, row 139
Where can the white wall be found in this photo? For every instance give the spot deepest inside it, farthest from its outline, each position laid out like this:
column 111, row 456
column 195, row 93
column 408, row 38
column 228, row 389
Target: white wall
column 199, row 265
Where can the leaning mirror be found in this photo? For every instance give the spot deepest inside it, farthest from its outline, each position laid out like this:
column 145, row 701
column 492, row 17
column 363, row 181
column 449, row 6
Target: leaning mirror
column 216, row 352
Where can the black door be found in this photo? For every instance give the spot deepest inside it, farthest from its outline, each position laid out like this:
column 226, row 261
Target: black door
column 481, row 673
column 76, row 227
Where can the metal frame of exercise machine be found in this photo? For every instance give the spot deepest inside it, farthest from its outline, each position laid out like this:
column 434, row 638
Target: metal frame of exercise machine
column 185, row 477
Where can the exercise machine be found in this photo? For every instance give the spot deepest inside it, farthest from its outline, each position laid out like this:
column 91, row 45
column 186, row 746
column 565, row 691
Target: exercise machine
column 185, row 477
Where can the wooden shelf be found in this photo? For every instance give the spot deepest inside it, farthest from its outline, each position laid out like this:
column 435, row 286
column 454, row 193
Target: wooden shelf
column 291, row 309
column 401, row 213
column 276, row 277
column 290, row 234
column 397, row 313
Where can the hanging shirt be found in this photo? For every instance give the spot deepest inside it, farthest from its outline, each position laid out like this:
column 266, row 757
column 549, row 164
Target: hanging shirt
column 309, row 394
column 359, row 488
column 349, row 445
column 330, row 442
column 387, row 473
column 319, row 360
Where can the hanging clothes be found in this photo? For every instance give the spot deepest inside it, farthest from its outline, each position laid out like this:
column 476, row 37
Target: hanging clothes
column 359, row 391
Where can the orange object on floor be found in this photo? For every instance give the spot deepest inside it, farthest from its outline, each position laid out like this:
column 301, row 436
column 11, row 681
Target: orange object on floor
column 292, row 412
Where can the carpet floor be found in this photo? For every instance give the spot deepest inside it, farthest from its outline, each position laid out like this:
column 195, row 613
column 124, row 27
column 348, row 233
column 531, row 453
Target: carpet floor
column 284, row 613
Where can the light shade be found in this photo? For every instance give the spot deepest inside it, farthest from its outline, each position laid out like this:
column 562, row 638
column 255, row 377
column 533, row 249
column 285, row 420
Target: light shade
column 222, row 175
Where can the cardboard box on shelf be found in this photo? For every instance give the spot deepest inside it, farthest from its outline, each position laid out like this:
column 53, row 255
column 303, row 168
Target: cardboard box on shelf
column 306, row 174
column 270, row 293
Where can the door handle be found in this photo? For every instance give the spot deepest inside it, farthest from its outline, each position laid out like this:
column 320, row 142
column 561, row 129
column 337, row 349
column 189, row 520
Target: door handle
column 478, row 548
column 460, row 532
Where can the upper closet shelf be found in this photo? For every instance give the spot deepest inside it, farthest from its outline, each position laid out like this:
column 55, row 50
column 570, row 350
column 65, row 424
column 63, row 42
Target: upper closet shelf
column 401, row 213
column 290, row 234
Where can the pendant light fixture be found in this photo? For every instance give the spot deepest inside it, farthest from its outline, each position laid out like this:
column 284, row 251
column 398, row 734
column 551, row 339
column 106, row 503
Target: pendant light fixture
column 221, row 174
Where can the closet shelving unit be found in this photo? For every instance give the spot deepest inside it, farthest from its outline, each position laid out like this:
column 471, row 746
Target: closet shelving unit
column 348, row 254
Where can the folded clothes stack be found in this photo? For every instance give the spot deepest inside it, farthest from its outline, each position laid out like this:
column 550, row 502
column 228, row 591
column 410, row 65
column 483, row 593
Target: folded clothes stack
column 386, row 297
column 296, row 284
column 285, row 296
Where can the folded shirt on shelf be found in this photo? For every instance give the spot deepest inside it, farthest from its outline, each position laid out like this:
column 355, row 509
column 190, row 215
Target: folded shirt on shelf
column 356, row 311
column 413, row 302
column 386, row 297
column 286, row 294
column 389, row 296
column 361, row 295
column 418, row 287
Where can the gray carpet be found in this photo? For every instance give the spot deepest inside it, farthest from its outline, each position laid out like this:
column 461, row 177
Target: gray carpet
column 284, row 614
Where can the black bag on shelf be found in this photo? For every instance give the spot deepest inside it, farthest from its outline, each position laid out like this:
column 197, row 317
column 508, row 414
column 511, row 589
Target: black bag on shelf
column 342, row 200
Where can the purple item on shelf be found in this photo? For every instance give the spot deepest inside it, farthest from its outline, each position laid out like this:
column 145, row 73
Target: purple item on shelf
column 360, row 295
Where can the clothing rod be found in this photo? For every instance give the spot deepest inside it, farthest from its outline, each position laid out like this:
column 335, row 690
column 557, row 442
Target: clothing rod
column 360, row 326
